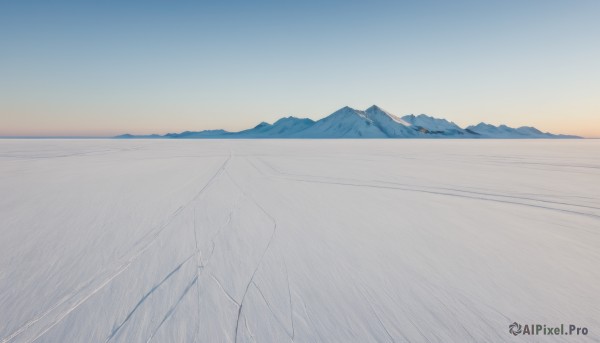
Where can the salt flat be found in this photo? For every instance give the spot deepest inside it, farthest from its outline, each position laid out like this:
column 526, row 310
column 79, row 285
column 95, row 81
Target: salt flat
column 297, row 240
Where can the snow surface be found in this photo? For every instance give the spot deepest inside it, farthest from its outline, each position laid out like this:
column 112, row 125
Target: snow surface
column 297, row 240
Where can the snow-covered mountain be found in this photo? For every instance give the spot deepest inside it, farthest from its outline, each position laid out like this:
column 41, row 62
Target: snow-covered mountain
column 284, row 127
column 503, row 131
column 373, row 122
column 344, row 123
column 389, row 124
column 201, row 134
column 434, row 126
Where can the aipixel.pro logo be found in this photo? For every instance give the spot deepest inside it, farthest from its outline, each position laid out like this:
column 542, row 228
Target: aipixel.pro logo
column 516, row 329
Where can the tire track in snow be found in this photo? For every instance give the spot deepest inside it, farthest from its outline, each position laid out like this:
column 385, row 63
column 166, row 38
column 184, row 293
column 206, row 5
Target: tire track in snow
column 591, row 215
column 76, row 154
column 493, row 195
column 283, row 326
column 287, row 276
column 431, row 189
column 252, row 280
column 152, row 235
column 428, row 190
column 143, row 299
column 261, row 257
column 229, row 296
column 199, row 263
column 214, row 236
column 248, row 329
column 173, row 308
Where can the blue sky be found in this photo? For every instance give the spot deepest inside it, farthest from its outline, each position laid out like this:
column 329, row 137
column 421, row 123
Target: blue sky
column 104, row 68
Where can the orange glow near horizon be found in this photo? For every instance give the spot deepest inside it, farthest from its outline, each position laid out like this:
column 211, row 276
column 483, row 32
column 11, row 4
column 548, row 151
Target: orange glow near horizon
column 103, row 126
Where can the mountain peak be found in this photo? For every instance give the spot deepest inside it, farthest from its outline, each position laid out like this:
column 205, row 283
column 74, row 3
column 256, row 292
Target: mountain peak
column 346, row 111
column 262, row 124
column 292, row 120
column 374, row 108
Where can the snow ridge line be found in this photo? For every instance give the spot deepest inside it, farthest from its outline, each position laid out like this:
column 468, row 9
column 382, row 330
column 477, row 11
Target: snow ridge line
column 119, row 270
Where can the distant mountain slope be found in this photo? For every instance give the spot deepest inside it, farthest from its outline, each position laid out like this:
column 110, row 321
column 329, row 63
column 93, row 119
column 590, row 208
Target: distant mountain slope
column 503, row 131
column 389, row 124
column 127, row 135
column 201, row 134
column 283, row 128
column 431, row 125
column 374, row 122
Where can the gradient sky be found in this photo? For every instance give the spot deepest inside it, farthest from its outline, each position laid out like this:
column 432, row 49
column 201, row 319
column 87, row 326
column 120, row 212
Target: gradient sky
column 105, row 67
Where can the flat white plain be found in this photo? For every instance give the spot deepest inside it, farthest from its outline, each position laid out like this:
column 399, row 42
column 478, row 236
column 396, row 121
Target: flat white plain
column 297, row 240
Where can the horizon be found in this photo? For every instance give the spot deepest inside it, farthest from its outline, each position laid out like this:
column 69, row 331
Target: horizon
column 262, row 122
column 100, row 70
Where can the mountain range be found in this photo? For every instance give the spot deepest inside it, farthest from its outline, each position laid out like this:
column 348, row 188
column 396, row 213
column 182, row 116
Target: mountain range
column 373, row 122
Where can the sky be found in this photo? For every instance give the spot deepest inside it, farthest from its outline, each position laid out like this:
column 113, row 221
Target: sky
column 102, row 68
